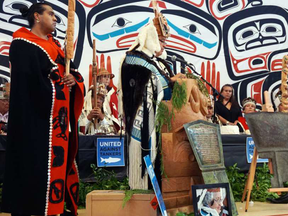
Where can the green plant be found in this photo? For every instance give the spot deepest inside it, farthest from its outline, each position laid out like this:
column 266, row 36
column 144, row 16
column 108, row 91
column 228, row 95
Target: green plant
column 179, row 96
column 200, row 84
column 164, row 117
column 129, row 194
column 237, row 181
column 104, row 180
column 84, row 189
column 262, row 183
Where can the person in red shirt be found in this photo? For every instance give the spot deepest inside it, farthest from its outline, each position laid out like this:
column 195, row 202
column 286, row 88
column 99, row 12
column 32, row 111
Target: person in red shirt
column 249, row 106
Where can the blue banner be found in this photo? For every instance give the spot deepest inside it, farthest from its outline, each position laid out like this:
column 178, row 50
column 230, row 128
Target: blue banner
column 110, row 152
column 250, row 151
column 155, row 184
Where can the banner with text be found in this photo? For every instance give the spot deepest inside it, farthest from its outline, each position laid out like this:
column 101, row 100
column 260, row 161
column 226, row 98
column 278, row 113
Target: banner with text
column 250, row 151
column 110, row 152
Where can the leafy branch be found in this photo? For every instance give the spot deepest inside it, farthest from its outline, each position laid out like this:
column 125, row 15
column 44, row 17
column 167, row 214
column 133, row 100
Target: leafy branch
column 164, row 117
column 200, row 84
column 130, row 193
column 260, row 187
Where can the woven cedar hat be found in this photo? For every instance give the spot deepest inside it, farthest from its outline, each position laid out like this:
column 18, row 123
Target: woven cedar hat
column 160, row 22
column 103, row 71
column 247, row 101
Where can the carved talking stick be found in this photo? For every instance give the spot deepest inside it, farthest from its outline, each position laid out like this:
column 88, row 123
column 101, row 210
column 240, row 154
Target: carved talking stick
column 284, row 88
column 94, row 75
column 69, row 50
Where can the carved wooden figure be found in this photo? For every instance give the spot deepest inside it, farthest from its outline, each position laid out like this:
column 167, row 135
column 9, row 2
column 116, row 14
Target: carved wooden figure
column 179, row 162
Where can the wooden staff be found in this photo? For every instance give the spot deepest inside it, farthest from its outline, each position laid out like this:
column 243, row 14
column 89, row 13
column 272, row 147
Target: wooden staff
column 94, row 75
column 284, row 88
column 69, row 50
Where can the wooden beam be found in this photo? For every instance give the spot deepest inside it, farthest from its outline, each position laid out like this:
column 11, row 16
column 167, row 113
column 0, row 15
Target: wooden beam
column 275, row 190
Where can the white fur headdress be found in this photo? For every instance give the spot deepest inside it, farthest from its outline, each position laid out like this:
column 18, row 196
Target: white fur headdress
column 147, row 40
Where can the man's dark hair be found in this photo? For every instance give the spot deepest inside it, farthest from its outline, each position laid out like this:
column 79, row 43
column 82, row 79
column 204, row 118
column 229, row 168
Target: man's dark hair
column 29, row 12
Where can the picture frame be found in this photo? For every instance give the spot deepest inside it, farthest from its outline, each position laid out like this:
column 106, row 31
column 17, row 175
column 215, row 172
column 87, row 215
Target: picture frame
column 212, row 199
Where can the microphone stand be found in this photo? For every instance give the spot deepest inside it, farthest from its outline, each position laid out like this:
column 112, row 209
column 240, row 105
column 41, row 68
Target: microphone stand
column 214, row 90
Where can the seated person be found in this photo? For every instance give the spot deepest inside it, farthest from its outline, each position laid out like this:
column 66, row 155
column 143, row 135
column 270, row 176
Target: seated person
column 226, row 107
column 249, row 106
column 4, row 108
column 210, row 118
column 94, row 119
column 110, row 105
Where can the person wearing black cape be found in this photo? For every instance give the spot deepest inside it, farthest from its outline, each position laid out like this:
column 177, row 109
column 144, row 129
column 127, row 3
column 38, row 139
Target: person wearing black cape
column 41, row 173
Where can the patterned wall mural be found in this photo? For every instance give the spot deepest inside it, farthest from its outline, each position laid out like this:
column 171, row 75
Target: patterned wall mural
column 240, row 42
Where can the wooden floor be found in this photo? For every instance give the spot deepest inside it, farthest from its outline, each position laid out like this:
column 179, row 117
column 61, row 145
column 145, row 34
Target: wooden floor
column 258, row 209
column 263, row 209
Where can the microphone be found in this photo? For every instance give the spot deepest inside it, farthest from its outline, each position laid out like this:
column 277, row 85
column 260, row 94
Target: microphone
column 192, row 67
column 174, row 58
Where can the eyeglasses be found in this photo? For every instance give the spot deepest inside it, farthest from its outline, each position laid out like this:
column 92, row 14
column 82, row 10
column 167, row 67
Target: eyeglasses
column 218, row 200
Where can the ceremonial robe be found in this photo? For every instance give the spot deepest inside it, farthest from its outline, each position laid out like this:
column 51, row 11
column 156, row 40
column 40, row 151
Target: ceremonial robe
column 40, row 161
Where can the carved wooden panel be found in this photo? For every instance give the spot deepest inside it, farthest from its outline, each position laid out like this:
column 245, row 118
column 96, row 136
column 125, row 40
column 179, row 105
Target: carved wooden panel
column 179, row 161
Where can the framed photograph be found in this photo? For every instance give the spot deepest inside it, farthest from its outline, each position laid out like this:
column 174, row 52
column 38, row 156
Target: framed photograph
column 211, row 200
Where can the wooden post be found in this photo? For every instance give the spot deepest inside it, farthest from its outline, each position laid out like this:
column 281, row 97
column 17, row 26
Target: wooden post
column 249, row 182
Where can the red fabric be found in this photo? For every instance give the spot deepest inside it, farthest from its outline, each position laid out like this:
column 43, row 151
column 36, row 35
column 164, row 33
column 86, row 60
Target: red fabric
column 242, row 120
column 59, row 179
column 114, row 108
column 114, row 105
